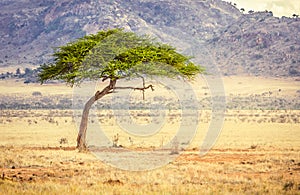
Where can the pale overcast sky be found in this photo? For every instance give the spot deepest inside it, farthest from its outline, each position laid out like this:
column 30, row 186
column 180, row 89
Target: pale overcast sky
column 278, row 7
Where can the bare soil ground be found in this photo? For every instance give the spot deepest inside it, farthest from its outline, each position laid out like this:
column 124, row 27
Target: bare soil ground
column 257, row 152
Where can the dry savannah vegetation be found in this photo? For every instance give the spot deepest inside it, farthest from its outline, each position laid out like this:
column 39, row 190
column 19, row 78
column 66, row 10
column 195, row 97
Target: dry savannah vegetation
column 257, row 152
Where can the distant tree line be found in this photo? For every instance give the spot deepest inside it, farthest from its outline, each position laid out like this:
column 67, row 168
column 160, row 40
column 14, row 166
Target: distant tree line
column 252, row 11
column 28, row 75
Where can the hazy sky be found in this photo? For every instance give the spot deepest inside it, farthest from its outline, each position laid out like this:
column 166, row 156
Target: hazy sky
column 278, row 7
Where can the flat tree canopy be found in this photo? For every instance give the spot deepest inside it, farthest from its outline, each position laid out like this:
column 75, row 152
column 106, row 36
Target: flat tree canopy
column 113, row 55
column 116, row 54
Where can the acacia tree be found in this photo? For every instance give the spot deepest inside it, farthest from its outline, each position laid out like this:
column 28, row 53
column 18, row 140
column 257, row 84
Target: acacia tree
column 113, row 55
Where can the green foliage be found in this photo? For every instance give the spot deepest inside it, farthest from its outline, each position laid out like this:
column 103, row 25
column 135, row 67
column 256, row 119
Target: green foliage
column 68, row 58
column 116, row 54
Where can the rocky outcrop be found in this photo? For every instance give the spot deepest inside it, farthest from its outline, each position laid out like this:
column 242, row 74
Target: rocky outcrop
column 255, row 43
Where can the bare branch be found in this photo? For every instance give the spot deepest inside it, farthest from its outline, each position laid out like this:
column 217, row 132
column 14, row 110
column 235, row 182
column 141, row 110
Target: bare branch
column 144, row 86
column 137, row 88
column 104, row 78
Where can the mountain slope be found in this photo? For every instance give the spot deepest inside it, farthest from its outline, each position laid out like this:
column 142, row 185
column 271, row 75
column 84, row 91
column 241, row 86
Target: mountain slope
column 256, row 43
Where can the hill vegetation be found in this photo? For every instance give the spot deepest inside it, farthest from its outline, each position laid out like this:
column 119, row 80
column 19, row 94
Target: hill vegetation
column 239, row 41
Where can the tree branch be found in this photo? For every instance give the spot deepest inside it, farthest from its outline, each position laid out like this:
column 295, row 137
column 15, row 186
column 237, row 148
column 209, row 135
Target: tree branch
column 104, row 78
column 137, row 88
column 106, row 90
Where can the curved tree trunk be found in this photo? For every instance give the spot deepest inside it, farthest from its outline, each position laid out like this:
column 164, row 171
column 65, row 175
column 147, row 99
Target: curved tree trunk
column 81, row 138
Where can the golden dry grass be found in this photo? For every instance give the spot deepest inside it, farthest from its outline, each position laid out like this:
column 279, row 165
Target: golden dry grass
column 257, row 152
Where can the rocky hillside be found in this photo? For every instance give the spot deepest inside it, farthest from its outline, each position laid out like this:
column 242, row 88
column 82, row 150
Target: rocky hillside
column 213, row 31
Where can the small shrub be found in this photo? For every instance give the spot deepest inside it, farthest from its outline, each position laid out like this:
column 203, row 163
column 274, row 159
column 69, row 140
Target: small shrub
column 115, row 140
column 175, row 145
column 63, row 140
column 288, row 186
column 253, row 146
column 36, row 93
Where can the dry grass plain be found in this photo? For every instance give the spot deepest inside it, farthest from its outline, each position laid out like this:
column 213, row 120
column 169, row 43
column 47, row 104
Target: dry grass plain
column 257, row 152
